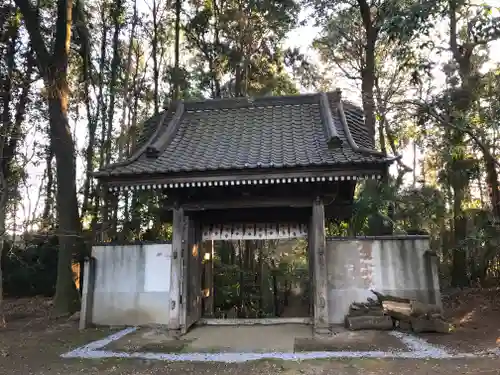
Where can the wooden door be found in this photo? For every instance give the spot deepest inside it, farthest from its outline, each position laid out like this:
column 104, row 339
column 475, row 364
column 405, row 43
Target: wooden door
column 192, row 263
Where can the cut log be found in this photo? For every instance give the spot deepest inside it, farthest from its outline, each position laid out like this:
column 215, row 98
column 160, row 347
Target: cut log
column 413, row 308
column 397, row 308
column 366, row 312
column 419, row 309
column 355, row 323
column 358, row 306
column 436, row 316
column 383, row 297
column 420, row 325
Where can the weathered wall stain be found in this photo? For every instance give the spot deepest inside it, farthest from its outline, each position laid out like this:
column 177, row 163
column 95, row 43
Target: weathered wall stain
column 390, row 265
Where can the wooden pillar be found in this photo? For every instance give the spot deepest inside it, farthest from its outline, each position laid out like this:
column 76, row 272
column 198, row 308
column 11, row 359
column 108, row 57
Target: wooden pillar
column 432, row 278
column 317, row 244
column 208, row 265
column 191, row 258
column 185, row 279
column 312, row 273
column 87, row 293
column 176, row 269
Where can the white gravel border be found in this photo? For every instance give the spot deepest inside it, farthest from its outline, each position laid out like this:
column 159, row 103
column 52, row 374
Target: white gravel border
column 418, row 348
column 417, row 344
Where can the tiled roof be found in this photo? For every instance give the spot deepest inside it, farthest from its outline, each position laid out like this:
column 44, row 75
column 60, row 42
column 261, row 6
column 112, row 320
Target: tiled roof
column 243, row 134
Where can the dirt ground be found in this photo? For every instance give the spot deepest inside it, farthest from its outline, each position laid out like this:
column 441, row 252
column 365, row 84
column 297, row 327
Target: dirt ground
column 476, row 315
column 33, row 342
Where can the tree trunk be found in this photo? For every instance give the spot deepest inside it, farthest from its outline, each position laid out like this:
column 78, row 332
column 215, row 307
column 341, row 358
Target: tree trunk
column 276, row 301
column 493, row 186
column 368, row 70
column 10, row 132
column 216, row 63
column 238, row 80
column 115, row 63
column 156, row 68
column 459, row 276
column 101, row 109
column 101, row 105
column 124, row 130
column 53, row 67
column 178, row 6
column 3, row 204
column 135, row 205
column 92, row 120
column 66, row 298
column 49, row 188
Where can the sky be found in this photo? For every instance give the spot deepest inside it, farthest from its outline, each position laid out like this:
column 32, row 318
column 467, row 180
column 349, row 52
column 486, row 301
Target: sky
column 301, row 37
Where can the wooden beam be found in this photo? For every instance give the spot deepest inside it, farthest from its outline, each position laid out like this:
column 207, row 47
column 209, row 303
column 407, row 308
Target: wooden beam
column 279, row 191
column 340, row 211
column 336, row 210
column 255, row 215
column 256, row 202
column 318, row 246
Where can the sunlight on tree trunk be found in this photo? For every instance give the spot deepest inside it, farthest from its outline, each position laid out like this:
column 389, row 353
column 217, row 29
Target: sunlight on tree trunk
column 54, row 67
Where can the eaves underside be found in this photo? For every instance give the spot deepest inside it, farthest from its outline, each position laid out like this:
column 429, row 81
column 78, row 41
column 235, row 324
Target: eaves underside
column 246, row 177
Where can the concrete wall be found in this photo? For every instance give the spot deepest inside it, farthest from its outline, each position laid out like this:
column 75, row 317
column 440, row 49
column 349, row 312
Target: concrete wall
column 131, row 284
column 398, row 266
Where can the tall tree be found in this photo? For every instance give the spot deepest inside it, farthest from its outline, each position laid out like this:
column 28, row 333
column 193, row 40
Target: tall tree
column 12, row 115
column 52, row 63
column 471, row 29
column 238, row 46
column 358, row 39
column 177, row 72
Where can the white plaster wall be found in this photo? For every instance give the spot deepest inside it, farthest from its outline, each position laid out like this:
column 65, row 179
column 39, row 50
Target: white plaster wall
column 396, row 266
column 132, row 284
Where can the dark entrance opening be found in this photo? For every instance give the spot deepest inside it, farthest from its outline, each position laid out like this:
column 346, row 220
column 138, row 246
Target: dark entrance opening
column 258, row 279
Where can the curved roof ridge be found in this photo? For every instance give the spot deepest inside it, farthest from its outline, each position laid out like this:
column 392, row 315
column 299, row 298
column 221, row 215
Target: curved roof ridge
column 156, row 146
column 137, row 153
column 352, row 143
column 332, row 137
column 242, row 102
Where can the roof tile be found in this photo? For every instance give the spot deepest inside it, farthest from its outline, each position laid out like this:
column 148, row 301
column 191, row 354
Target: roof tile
column 272, row 132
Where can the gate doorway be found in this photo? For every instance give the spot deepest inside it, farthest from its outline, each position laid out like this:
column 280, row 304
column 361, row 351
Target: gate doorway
column 259, row 281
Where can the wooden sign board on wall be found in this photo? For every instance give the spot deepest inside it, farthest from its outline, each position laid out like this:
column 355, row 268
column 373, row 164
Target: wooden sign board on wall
column 257, row 231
